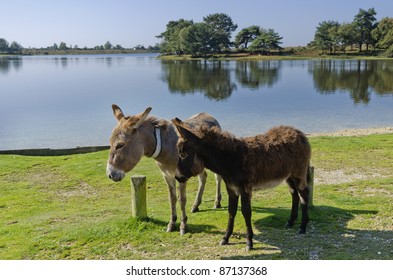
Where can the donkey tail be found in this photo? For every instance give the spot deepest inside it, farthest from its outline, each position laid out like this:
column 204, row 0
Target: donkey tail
column 310, row 175
column 310, row 185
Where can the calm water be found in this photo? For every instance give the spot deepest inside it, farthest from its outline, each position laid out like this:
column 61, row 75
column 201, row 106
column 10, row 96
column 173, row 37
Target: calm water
column 61, row 102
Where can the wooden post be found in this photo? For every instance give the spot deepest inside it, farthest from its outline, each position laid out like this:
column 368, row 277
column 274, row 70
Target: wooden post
column 138, row 197
column 311, row 187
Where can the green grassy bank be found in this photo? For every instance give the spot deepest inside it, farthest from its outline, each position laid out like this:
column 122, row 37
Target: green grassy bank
column 64, row 207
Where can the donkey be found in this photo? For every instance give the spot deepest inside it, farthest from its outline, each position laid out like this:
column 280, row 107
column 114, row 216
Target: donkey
column 144, row 135
column 252, row 163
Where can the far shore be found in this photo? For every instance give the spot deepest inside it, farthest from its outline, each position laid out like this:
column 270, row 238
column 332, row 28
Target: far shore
column 274, row 56
column 89, row 149
column 224, row 56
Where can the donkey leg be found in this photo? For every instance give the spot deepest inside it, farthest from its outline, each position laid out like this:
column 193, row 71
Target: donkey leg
column 172, row 200
column 217, row 203
column 233, row 201
column 295, row 201
column 201, row 188
column 304, row 197
column 246, row 211
column 183, row 201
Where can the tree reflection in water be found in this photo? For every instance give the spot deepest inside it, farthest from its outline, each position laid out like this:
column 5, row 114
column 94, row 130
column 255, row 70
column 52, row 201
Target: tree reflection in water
column 357, row 77
column 214, row 79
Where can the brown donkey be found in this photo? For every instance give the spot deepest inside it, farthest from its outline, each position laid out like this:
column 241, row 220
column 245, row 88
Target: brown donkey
column 252, row 163
column 144, row 135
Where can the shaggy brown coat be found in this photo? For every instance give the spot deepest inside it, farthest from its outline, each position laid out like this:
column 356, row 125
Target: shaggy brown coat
column 280, row 153
column 247, row 164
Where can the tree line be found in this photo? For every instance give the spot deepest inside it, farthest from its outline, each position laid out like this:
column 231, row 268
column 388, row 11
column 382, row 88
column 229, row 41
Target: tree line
column 16, row 48
column 213, row 35
column 12, row 48
column 364, row 31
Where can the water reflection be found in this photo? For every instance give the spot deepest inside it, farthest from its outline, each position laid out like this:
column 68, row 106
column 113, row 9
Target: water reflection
column 258, row 74
column 217, row 80
column 10, row 62
column 108, row 61
column 357, row 77
column 214, row 78
column 211, row 78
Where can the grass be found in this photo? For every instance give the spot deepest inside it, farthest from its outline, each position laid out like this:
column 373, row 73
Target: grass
column 65, row 208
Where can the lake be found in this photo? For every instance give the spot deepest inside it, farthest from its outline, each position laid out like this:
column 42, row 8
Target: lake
column 65, row 101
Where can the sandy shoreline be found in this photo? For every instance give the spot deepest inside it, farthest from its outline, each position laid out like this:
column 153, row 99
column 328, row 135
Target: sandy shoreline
column 355, row 132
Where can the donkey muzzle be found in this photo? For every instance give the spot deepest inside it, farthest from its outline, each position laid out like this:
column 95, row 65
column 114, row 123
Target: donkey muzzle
column 114, row 174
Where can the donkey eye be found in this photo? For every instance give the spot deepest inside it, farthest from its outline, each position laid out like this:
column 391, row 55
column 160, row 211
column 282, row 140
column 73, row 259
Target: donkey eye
column 183, row 155
column 119, row 146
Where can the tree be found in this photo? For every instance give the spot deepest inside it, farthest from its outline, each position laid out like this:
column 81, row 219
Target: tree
column 62, row 46
column 266, row 41
column 346, row 33
column 220, row 27
column 364, row 22
column 327, row 35
column 273, row 39
column 139, row 48
column 171, row 41
column 196, row 39
column 4, row 46
column 108, row 45
column 383, row 33
column 15, row 47
column 246, row 36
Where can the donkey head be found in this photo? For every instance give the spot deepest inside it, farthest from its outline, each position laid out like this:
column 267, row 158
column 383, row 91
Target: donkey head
column 126, row 144
column 187, row 146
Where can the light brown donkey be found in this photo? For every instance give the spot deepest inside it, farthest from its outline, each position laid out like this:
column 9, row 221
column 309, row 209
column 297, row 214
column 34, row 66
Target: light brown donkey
column 143, row 135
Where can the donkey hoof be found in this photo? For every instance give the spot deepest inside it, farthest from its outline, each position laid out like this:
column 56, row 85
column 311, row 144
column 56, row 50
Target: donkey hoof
column 170, row 228
column 249, row 248
column 217, row 206
column 194, row 209
column 182, row 232
column 302, row 231
column 289, row 225
column 224, row 242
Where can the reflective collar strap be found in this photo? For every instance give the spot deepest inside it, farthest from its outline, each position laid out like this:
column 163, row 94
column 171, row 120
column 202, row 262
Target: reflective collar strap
column 157, row 134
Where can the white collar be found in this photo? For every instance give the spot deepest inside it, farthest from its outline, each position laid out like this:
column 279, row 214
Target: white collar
column 157, row 134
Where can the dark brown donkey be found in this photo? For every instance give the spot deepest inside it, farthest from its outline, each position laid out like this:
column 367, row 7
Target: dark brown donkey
column 252, row 163
column 144, row 135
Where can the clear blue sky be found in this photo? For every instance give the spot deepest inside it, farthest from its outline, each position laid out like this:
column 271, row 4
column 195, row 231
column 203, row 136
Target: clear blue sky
column 42, row 23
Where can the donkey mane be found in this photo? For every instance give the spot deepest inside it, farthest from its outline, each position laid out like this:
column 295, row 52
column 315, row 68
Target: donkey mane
column 163, row 124
column 221, row 139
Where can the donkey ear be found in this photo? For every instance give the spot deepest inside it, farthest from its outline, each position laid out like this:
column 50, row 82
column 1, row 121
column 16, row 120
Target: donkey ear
column 141, row 117
column 117, row 112
column 183, row 131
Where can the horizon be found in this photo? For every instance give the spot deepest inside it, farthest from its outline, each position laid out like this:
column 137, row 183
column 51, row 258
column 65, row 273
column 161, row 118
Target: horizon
column 41, row 24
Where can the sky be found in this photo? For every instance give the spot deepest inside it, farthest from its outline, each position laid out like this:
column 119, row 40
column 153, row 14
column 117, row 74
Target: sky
column 41, row 23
